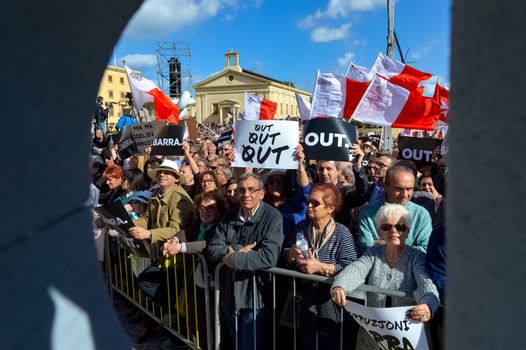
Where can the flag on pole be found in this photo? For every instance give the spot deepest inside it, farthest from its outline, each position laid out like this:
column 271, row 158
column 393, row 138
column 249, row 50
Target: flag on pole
column 356, row 83
column 390, row 105
column 328, row 98
column 257, row 108
column 441, row 95
column 144, row 90
column 304, row 107
column 398, row 73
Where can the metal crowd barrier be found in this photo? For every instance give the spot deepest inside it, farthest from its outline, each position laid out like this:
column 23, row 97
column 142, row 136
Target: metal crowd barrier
column 359, row 293
column 184, row 299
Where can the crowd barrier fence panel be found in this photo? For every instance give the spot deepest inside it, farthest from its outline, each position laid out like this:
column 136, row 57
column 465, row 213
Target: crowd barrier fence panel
column 123, row 280
column 360, row 293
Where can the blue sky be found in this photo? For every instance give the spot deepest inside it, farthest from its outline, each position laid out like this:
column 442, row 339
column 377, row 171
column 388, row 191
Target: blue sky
column 287, row 40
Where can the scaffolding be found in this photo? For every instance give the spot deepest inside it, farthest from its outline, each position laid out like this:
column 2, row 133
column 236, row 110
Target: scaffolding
column 167, row 52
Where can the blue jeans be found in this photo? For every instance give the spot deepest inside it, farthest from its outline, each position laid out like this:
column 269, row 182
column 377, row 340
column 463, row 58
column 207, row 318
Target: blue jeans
column 245, row 326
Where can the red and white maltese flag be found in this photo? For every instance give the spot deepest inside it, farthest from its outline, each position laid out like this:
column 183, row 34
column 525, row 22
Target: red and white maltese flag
column 390, row 105
column 257, row 108
column 144, row 90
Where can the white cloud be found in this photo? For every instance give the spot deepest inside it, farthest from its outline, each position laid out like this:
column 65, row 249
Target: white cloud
column 339, row 8
column 229, row 17
column 138, row 60
column 419, row 54
column 346, row 59
column 161, row 17
column 326, row 34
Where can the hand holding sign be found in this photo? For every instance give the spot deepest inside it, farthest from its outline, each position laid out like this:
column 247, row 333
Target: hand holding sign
column 419, row 313
column 139, row 232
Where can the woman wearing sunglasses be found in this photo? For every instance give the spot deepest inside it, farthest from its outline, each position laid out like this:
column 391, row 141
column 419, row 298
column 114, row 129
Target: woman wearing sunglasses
column 331, row 247
column 394, row 266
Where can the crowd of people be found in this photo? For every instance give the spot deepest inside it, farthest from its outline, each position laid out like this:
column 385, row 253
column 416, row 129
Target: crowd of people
column 375, row 220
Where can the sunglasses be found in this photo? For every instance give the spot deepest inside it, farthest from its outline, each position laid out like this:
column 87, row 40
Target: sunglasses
column 313, row 202
column 398, row 227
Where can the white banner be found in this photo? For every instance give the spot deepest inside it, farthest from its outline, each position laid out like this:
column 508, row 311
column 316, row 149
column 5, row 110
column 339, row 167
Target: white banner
column 266, row 144
column 389, row 327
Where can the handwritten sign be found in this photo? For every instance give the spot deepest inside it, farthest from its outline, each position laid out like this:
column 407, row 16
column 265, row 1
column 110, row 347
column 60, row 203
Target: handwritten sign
column 115, row 215
column 328, row 139
column 417, row 150
column 389, row 327
column 169, row 141
column 144, row 133
column 266, row 144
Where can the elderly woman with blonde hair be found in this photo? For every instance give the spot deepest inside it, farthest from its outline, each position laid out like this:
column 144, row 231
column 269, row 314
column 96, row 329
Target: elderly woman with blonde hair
column 394, row 266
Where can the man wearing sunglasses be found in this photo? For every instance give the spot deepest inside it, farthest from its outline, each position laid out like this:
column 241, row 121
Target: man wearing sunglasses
column 247, row 240
column 399, row 184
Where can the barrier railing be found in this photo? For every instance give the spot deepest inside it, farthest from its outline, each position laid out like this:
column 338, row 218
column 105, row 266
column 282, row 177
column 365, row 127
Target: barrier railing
column 187, row 311
column 187, row 314
column 360, row 293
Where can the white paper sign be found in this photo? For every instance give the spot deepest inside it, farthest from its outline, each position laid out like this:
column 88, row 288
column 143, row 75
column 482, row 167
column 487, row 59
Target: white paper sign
column 389, row 327
column 266, row 144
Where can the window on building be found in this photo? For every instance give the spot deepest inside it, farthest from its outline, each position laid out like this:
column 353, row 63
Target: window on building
column 122, row 94
column 110, row 79
column 110, row 93
column 121, row 80
column 281, row 108
column 215, row 108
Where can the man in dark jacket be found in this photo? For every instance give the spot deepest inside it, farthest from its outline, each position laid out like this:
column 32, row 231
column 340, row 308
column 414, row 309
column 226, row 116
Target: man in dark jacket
column 247, row 240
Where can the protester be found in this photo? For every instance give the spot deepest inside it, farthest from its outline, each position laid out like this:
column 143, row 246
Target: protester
column 394, row 265
column 231, row 194
column 100, row 115
column 400, row 182
column 436, row 268
column 170, row 210
column 114, row 177
column 133, row 182
column 100, row 142
column 426, row 184
column 208, row 181
column 247, row 240
column 331, row 248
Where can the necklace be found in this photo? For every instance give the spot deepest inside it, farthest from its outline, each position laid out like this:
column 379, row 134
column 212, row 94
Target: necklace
column 390, row 260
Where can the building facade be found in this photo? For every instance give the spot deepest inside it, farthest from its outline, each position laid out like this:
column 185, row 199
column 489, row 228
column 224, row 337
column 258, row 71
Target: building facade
column 220, row 97
column 113, row 88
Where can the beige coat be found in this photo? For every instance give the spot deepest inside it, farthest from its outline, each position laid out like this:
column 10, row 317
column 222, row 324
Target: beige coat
column 166, row 216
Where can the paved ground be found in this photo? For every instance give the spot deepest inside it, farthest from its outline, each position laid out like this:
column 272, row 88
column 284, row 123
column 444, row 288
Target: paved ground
column 160, row 339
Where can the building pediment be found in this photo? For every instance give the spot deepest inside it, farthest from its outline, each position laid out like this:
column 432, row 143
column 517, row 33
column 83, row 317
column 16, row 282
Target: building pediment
column 231, row 78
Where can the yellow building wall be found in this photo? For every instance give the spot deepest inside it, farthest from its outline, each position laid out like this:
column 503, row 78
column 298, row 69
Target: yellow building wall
column 113, row 88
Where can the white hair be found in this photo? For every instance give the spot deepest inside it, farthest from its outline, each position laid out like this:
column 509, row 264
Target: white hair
column 392, row 210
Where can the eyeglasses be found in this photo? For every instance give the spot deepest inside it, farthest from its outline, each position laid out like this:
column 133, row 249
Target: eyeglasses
column 207, row 207
column 398, row 227
column 250, row 190
column 313, row 202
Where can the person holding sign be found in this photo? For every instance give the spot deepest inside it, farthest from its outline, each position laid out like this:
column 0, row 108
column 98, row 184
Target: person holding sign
column 170, row 210
column 330, row 247
column 394, row 266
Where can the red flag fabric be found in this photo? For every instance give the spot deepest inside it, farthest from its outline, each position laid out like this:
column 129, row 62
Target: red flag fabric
column 441, row 96
column 419, row 112
column 165, row 109
column 268, row 109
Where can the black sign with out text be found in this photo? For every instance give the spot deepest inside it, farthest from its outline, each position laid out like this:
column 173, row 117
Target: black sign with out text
column 416, row 149
column 328, row 139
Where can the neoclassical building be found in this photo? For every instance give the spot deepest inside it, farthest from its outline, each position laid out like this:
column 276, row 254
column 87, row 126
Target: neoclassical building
column 221, row 96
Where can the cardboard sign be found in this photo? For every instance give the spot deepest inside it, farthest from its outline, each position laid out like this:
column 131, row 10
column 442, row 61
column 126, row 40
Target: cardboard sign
column 417, row 150
column 116, row 216
column 389, row 327
column 145, row 133
column 127, row 146
column 169, row 141
column 224, row 137
column 191, row 126
column 266, row 144
column 328, row 139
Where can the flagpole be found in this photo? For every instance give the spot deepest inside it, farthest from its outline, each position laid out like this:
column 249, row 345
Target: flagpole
column 387, row 131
